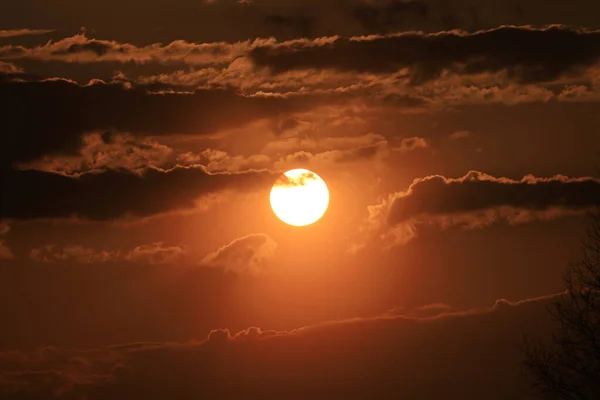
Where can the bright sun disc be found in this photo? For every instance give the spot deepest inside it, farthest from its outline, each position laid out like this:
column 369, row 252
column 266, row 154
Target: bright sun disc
column 299, row 197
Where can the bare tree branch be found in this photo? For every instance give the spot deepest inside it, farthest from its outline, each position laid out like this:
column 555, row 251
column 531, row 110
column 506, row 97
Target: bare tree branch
column 568, row 366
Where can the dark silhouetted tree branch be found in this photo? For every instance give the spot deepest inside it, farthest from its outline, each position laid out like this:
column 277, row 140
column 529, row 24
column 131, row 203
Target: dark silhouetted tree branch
column 568, row 366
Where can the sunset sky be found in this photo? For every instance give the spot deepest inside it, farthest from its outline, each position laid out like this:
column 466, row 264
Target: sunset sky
column 139, row 141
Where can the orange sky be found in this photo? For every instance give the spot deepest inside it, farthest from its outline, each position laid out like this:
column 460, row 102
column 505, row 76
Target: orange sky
column 140, row 257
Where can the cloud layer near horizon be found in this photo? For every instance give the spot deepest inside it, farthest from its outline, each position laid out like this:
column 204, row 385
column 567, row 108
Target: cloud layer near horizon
column 333, row 359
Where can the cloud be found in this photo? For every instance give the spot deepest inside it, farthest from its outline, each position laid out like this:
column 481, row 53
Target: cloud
column 243, row 75
column 355, row 358
column 252, row 333
column 435, row 195
column 478, row 200
column 329, row 143
column 388, row 89
column 81, row 123
column 410, row 144
column 245, row 255
column 8, row 68
column 101, row 152
column 338, row 149
column 72, row 253
column 405, row 70
column 459, row 135
column 118, row 194
column 55, row 126
column 154, row 253
column 81, row 49
column 370, row 152
column 220, row 161
column 542, row 55
column 8, row 33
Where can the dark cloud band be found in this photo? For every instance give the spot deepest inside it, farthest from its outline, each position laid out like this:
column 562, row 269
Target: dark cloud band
column 541, row 54
column 49, row 116
column 113, row 194
column 438, row 196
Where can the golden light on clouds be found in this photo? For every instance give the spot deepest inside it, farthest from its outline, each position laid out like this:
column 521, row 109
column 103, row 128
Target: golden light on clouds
column 299, row 197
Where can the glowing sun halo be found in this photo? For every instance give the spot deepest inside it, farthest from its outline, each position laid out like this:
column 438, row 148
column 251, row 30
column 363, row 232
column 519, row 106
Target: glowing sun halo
column 299, row 197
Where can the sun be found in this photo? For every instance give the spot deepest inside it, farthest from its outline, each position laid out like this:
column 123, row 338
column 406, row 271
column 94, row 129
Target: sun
column 299, row 197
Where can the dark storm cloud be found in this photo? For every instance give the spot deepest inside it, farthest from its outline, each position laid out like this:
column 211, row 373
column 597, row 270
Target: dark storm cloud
column 541, row 54
column 50, row 116
column 113, row 194
column 354, row 359
column 439, row 196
